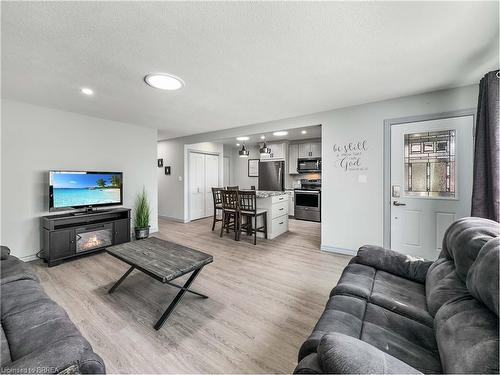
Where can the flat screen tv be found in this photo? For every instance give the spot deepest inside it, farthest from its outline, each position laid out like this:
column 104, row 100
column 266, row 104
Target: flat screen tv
column 83, row 189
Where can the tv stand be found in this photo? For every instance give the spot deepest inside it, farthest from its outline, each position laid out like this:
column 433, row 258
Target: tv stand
column 71, row 235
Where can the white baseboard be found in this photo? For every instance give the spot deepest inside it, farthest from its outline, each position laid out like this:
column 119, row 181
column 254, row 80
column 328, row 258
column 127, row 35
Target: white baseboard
column 29, row 258
column 177, row 220
column 338, row 250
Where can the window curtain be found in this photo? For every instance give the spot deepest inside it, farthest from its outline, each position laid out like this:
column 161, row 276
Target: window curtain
column 485, row 200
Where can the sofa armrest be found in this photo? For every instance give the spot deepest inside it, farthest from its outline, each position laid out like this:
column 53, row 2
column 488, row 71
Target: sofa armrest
column 342, row 354
column 391, row 261
column 308, row 365
column 66, row 356
column 4, row 252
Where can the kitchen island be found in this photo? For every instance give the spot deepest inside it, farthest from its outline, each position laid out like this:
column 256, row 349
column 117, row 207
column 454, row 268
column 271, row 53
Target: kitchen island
column 276, row 204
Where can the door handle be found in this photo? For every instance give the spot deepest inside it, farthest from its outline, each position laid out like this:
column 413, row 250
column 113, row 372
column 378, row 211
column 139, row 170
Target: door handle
column 397, row 203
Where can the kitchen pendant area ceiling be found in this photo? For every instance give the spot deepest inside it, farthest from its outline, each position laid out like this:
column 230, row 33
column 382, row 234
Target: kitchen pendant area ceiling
column 242, row 62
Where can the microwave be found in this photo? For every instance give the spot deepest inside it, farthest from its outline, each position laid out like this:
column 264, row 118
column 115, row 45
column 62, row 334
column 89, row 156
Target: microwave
column 309, row 165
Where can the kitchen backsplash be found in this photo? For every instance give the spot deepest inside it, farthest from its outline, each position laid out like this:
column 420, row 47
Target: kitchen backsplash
column 293, row 180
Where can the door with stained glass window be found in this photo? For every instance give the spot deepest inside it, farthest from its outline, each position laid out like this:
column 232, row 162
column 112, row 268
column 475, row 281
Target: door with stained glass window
column 431, row 179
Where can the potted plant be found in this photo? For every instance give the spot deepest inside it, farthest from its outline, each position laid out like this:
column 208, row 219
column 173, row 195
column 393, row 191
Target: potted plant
column 141, row 216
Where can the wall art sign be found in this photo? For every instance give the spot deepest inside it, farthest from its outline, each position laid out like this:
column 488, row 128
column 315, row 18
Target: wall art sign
column 349, row 156
column 253, row 167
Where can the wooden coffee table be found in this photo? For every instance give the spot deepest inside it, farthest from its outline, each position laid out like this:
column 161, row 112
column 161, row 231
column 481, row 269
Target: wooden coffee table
column 163, row 261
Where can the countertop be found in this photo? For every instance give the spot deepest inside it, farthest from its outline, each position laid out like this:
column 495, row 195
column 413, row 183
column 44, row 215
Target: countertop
column 267, row 194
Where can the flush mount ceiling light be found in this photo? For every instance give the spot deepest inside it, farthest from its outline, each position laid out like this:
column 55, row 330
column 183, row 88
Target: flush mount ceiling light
column 264, row 149
column 237, row 144
column 244, row 152
column 87, row 91
column 304, row 131
column 280, row 133
column 262, row 137
column 242, row 138
column 164, row 81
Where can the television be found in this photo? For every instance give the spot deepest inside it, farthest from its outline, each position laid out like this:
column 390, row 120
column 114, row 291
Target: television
column 83, row 189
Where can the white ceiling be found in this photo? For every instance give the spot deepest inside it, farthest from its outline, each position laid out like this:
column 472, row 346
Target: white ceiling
column 243, row 62
column 293, row 135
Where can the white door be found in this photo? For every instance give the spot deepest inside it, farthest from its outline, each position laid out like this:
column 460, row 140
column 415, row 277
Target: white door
column 211, row 180
column 196, row 185
column 227, row 171
column 431, row 182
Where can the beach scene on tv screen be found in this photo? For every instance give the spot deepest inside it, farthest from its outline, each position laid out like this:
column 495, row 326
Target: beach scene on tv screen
column 79, row 189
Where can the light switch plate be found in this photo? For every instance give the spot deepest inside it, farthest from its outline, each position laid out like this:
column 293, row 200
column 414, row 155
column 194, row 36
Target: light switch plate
column 179, row 178
column 362, row 179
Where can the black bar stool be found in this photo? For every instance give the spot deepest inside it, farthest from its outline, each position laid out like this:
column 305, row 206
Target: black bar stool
column 216, row 193
column 248, row 208
column 230, row 210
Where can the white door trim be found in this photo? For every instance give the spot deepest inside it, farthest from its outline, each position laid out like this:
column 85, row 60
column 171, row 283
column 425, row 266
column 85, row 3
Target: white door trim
column 387, row 157
column 187, row 179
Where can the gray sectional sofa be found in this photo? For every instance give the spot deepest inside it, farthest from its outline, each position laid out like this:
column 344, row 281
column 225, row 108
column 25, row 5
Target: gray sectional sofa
column 36, row 334
column 391, row 313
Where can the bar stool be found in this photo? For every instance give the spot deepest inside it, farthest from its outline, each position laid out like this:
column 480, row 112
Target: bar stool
column 248, row 208
column 230, row 210
column 217, row 197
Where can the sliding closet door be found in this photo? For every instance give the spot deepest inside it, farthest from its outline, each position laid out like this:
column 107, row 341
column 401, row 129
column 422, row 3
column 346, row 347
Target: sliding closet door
column 211, row 180
column 203, row 175
column 196, row 186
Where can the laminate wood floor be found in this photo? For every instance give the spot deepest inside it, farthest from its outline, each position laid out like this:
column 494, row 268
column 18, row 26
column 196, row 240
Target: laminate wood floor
column 264, row 301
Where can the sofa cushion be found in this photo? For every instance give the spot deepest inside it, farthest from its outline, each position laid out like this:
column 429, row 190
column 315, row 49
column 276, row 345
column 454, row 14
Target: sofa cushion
column 341, row 354
column 482, row 279
column 343, row 314
column 391, row 261
column 4, row 347
column 401, row 296
column 467, row 337
column 392, row 292
column 14, row 269
column 443, row 285
column 399, row 336
column 406, row 339
column 31, row 320
column 464, row 239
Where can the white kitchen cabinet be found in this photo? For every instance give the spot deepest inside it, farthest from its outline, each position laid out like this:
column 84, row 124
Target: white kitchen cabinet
column 310, row 150
column 277, row 215
column 316, row 149
column 293, row 155
column 304, row 150
column 277, row 152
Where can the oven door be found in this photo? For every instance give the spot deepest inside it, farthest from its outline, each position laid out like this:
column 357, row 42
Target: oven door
column 309, row 199
column 309, row 165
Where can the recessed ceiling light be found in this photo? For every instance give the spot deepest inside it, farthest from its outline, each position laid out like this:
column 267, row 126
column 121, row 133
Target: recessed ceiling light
column 237, row 144
column 304, row 131
column 87, row 91
column 262, row 137
column 242, row 138
column 280, row 133
column 164, row 81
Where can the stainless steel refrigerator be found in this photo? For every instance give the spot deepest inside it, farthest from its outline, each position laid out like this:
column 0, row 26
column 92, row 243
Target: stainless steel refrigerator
column 271, row 175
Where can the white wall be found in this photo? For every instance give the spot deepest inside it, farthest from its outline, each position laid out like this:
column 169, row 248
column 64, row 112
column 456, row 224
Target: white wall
column 36, row 139
column 171, row 188
column 239, row 166
column 352, row 212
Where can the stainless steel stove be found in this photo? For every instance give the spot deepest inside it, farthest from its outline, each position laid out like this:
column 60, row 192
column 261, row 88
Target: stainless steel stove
column 308, row 200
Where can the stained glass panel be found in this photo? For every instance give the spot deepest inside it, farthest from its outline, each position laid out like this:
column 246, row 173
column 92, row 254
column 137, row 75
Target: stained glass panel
column 430, row 164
